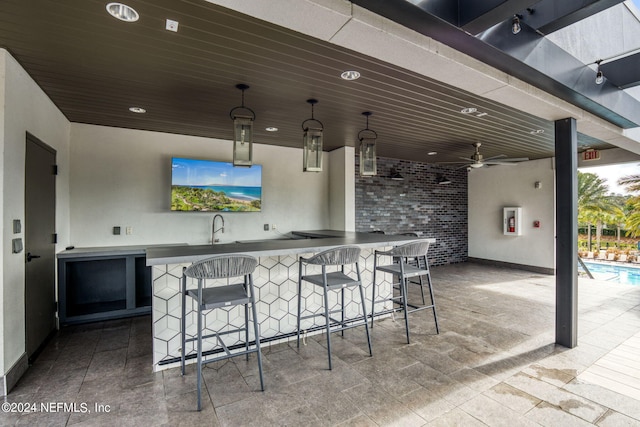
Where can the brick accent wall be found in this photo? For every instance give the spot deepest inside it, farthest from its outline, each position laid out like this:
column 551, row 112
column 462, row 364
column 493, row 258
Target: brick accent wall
column 416, row 204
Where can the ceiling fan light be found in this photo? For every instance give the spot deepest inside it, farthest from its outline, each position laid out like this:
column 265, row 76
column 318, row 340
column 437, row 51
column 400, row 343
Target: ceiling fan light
column 476, row 165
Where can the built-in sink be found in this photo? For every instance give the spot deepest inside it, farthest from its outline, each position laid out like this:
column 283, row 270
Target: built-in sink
column 269, row 240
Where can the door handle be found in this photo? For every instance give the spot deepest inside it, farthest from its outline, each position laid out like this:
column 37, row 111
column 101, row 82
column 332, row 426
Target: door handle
column 30, row 257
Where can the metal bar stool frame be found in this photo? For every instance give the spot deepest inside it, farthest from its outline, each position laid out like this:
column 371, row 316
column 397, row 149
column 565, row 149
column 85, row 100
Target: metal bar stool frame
column 333, row 281
column 405, row 270
column 210, row 298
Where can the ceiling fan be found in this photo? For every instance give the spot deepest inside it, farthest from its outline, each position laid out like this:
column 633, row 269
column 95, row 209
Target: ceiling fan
column 478, row 161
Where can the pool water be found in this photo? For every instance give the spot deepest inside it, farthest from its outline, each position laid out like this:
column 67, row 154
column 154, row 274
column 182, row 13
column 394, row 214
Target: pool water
column 624, row 274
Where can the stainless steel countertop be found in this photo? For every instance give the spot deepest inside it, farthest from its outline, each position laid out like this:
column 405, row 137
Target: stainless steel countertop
column 318, row 240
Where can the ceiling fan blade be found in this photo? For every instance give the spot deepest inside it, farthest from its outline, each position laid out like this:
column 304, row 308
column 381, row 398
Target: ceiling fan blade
column 499, row 156
column 467, row 159
column 508, row 161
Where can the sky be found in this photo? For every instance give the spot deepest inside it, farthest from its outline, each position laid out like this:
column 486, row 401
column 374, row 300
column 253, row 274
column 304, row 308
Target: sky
column 612, row 173
column 207, row 172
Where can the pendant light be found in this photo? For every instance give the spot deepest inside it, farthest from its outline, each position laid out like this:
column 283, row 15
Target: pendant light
column 367, row 138
column 312, row 142
column 243, row 118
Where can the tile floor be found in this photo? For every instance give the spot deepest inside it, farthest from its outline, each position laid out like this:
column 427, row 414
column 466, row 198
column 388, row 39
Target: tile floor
column 494, row 363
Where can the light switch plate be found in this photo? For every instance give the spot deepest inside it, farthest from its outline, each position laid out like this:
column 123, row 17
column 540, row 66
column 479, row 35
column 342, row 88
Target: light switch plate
column 17, row 226
column 16, row 246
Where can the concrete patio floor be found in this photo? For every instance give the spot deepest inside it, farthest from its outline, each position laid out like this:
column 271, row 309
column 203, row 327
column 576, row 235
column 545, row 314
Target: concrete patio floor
column 494, row 363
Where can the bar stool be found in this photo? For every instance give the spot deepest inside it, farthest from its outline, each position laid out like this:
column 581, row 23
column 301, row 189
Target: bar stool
column 223, row 296
column 410, row 261
column 421, row 263
column 333, row 281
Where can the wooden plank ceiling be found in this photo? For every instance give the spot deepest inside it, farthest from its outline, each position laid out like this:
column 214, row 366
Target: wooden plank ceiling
column 94, row 67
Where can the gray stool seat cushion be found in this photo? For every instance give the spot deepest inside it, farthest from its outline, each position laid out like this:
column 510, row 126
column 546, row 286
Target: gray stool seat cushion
column 335, row 279
column 221, row 296
column 409, row 270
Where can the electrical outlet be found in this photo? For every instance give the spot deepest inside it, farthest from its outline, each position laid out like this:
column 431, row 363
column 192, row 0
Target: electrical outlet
column 266, row 227
column 273, row 226
column 129, row 230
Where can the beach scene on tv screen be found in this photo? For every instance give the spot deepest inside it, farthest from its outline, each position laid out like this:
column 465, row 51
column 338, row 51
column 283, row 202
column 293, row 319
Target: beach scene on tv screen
column 210, row 186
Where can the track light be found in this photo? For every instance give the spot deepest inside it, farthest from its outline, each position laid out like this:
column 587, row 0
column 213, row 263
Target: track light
column 599, row 74
column 515, row 24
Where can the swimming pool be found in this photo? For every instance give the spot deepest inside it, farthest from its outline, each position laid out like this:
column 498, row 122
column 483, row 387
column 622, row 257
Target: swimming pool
column 615, row 273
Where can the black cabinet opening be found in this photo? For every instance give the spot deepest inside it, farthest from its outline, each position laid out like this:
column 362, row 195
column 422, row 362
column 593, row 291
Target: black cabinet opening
column 93, row 288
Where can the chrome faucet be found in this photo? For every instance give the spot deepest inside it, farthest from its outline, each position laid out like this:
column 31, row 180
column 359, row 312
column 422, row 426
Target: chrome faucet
column 214, row 230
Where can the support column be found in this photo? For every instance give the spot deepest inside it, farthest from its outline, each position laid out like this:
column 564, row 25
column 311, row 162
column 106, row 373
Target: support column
column 342, row 189
column 566, row 232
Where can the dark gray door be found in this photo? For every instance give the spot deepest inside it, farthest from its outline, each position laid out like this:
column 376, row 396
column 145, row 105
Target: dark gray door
column 39, row 247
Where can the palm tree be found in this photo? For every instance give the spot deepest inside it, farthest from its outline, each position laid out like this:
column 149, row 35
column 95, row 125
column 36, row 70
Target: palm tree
column 632, row 223
column 592, row 201
column 632, row 182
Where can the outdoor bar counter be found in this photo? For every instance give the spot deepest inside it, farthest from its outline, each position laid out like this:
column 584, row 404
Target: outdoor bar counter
column 275, row 280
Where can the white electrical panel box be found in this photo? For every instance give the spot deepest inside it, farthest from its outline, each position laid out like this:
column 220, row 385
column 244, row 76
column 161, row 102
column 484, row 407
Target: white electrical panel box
column 512, row 221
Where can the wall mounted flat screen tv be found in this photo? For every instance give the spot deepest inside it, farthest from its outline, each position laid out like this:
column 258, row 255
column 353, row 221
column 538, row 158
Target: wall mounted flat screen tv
column 212, row 186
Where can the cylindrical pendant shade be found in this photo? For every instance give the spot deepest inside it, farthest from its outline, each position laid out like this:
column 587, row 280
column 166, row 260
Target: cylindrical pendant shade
column 243, row 141
column 312, row 150
column 368, row 157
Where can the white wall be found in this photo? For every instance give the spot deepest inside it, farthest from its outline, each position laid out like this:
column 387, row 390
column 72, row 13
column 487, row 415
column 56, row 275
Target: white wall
column 25, row 109
column 122, row 177
column 493, row 188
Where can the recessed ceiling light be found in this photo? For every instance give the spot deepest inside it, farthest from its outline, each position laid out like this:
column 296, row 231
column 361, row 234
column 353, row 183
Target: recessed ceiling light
column 138, row 110
column 537, row 131
column 432, row 153
column 122, row 12
column 482, row 114
column 468, row 110
column 350, row 75
column 271, row 129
